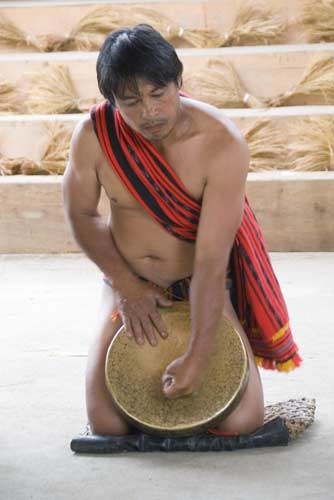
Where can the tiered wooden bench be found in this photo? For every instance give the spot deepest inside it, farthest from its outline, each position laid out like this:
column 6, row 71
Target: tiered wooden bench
column 294, row 209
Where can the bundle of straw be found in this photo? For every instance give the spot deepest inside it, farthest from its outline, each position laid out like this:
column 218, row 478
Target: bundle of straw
column 317, row 81
column 255, row 25
column 56, row 153
column 317, row 19
column 12, row 35
column 267, row 150
column 52, row 92
column 220, row 86
column 89, row 33
column 53, row 160
column 15, row 166
column 169, row 29
column 311, row 145
column 9, row 98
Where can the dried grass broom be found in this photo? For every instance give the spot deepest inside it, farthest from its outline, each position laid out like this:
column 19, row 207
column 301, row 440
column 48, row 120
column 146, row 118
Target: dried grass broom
column 220, row 86
column 52, row 92
column 255, row 24
column 267, row 150
column 53, row 160
column 317, row 20
column 317, row 81
column 311, row 145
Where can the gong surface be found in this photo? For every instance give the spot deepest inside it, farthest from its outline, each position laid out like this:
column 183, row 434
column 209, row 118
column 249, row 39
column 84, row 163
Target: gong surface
column 134, row 377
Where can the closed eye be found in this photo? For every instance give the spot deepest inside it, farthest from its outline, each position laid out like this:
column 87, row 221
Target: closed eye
column 132, row 103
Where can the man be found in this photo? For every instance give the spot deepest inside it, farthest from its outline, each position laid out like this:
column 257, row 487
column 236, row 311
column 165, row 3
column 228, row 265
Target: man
column 174, row 170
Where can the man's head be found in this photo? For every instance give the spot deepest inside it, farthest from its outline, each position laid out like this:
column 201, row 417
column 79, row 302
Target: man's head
column 139, row 72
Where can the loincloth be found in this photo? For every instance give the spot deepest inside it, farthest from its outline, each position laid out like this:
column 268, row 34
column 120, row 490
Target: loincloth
column 179, row 290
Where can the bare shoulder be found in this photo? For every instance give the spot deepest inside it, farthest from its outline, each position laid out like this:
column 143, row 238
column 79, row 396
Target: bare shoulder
column 85, row 149
column 80, row 185
column 220, row 136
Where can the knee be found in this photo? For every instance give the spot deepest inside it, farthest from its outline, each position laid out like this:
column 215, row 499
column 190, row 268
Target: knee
column 247, row 426
column 107, row 425
column 243, row 422
column 247, row 423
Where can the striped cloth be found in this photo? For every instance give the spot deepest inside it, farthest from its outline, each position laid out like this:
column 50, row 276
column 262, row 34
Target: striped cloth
column 256, row 295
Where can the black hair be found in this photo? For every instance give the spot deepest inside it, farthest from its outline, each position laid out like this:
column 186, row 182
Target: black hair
column 131, row 53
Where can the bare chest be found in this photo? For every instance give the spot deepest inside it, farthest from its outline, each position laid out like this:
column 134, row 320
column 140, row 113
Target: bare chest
column 187, row 164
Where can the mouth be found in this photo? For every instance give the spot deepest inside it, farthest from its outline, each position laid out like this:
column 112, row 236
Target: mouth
column 153, row 128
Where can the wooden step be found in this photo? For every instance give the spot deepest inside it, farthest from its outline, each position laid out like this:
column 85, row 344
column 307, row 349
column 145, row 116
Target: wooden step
column 24, row 135
column 59, row 18
column 280, row 67
column 295, row 211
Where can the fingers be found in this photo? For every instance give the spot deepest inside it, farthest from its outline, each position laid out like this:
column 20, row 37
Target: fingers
column 149, row 332
column 141, row 318
column 172, row 391
column 139, row 328
column 159, row 324
column 128, row 328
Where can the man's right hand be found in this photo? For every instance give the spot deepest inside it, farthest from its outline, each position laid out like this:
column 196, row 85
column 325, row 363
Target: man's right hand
column 137, row 302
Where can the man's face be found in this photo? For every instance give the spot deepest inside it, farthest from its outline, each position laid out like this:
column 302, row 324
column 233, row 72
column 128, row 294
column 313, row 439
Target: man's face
column 152, row 111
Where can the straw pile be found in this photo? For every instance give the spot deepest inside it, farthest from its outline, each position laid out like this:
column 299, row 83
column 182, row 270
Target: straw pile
column 220, row 86
column 255, row 24
column 172, row 31
column 54, row 157
column 311, row 145
column 317, row 81
column 51, row 91
column 317, row 20
column 12, row 35
column 9, row 98
column 266, row 147
column 307, row 145
column 89, row 33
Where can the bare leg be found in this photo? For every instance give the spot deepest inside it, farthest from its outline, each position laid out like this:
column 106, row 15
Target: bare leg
column 103, row 417
column 249, row 413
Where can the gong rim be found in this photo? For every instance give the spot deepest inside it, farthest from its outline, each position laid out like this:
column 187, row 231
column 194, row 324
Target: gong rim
column 182, row 429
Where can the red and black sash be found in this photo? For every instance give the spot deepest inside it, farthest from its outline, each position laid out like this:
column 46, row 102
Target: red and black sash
column 256, row 296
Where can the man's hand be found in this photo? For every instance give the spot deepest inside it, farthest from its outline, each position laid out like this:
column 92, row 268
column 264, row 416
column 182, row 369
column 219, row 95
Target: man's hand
column 137, row 303
column 183, row 376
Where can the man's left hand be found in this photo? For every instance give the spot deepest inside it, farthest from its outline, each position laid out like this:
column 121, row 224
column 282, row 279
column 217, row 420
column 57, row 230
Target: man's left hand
column 182, row 377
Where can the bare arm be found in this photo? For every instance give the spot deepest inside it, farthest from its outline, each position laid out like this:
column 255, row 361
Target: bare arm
column 221, row 215
column 81, row 194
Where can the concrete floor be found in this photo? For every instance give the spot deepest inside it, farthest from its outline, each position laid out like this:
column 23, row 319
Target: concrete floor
column 48, row 310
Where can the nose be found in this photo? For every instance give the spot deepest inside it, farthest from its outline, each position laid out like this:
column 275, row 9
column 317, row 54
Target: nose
column 150, row 109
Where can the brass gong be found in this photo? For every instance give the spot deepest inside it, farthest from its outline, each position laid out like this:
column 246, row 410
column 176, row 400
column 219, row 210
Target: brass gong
column 134, row 373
